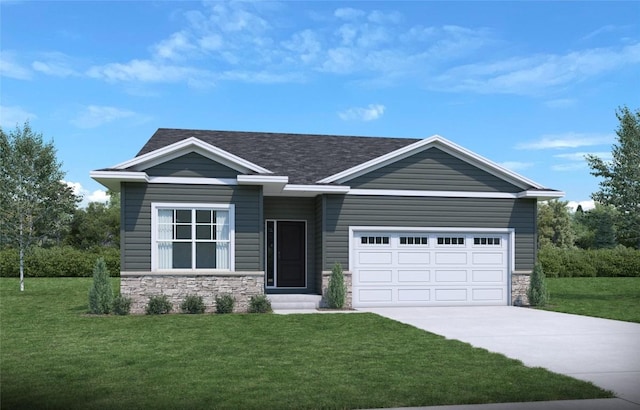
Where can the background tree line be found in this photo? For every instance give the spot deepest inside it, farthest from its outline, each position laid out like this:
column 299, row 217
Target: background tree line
column 604, row 241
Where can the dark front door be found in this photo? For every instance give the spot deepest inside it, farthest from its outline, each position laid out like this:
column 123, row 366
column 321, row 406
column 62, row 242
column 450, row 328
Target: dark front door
column 291, row 254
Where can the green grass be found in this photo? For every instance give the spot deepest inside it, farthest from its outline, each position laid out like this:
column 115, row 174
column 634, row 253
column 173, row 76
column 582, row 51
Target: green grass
column 54, row 355
column 611, row 298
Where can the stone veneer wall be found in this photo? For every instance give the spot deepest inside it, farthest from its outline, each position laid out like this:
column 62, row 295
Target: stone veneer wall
column 519, row 286
column 141, row 287
column 326, row 275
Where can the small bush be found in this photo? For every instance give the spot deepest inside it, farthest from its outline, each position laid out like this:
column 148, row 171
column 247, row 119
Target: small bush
column 192, row 304
column 121, row 305
column 158, row 305
column 100, row 293
column 537, row 293
column 574, row 262
column 337, row 290
column 225, row 303
column 259, row 304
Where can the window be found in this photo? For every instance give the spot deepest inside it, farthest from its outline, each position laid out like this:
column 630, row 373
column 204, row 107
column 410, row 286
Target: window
column 414, row 240
column 374, row 240
column 192, row 237
column 486, row 241
column 448, row 240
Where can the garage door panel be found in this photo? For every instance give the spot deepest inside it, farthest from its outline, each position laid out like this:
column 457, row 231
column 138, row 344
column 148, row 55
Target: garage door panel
column 451, row 258
column 375, row 295
column 375, row 276
column 451, row 276
column 451, row 295
column 488, row 275
column 414, row 295
column 488, row 258
column 413, row 258
column 414, row 268
column 414, row 276
column 375, row 258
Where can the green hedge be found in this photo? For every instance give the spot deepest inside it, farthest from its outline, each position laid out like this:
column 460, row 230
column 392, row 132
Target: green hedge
column 575, row 262
column 63, row 261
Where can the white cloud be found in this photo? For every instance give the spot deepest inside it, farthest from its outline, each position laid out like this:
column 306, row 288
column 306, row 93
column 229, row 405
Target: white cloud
column 348, row 13
column 175, row 47
column 146, row 71
column 533, row 75
column 580, row 156
column 567, row 140
column 586, row 205
column 9, row 67
column 12, row 116
column 94, row 116
column 55, row 64
column 571, row 166
column 87, row 196
column 370, row 113
column 516, row 165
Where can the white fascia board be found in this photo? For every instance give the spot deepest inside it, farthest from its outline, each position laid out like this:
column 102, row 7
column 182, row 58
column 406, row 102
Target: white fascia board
column 262, row 179
column 441, row 194
column 192, row 181
column 443, row 144
column 317, row 189
column 185, row 146
column 112, row 179
column 541, row 195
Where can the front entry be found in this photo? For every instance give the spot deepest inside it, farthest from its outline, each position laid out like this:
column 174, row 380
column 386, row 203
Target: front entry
column 286, row 262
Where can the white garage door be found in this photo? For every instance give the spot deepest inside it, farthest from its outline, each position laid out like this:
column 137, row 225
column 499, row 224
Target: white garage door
column 429, row 269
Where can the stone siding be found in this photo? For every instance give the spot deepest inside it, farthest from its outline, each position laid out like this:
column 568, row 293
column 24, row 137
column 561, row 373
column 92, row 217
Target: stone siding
column 177, row 287
column 519, row 287
column 326, row 275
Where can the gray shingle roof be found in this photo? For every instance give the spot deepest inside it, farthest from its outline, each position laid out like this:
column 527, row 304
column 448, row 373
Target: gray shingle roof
column 304, row 158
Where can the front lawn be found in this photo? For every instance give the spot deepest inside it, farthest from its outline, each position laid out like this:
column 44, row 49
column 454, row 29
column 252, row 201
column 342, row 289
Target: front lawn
column 54, row 356
column 610, row 298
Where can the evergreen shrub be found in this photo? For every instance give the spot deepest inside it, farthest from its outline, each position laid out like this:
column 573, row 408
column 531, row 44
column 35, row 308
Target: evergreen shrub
column 58, row 261
column 158, row 305
column 225, row 303
column 192, row 304
column 121, row 305
column 260, row 304
column 336, row 291
column 538, row 293
column 100, row 293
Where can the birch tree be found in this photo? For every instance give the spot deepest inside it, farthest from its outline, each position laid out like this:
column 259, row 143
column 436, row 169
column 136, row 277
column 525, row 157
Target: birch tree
column 34, row 201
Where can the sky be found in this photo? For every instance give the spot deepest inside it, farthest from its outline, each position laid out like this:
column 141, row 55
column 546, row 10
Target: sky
column 533, row 86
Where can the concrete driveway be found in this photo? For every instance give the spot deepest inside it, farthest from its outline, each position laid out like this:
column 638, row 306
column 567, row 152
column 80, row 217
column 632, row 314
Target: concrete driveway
column 605, row 352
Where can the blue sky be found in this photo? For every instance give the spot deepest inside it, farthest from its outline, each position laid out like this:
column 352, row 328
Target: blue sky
column 533, row 86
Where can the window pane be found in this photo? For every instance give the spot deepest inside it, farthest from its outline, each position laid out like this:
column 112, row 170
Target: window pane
column 183, row 231
column 203, row 232
column 203, row 216
column 205, row 255
column 222, row 225
column 183, row 216
column 165, row 253
column 182, row 255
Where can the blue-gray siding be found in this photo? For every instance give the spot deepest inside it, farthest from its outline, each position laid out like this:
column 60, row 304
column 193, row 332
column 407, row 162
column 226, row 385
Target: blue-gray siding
column 136, row 219
column 435, row 170
column 192, row 165
column 344, row 211
column 297, row 209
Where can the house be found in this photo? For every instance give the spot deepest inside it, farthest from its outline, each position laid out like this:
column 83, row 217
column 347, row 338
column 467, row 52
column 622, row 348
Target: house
column 413, row 222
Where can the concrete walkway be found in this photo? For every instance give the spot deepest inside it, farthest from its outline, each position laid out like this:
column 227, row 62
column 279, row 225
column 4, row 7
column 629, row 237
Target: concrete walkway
column 605, row 352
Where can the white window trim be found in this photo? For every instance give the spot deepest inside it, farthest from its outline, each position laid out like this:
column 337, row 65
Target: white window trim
column 230, row 208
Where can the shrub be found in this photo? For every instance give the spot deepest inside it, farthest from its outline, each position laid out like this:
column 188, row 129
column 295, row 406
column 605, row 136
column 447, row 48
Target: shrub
column 337, row 290
column 58, row 261
column 537, row 293
column 100, row 293
column 158, row 305
column 225, row 303
column 259, row 304
column 573, row 262
column 192, row 304
column 121, row 305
